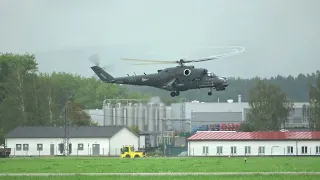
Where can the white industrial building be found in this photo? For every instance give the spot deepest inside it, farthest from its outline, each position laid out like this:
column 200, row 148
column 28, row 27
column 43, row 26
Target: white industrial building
column 83, row 141
column 215, row 143
column 204, row 113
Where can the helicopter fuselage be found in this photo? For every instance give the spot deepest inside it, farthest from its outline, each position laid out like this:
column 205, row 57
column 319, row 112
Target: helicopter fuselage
column 175, row 79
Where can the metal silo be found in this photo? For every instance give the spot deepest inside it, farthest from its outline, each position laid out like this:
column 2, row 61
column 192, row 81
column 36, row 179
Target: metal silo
column 124, row 116
column 156, row 119
column 150, row 118
column 140, row 117
column 161, row 116
column 108, row 114
column 130, row 116
column 135, row 117
column 119, row 115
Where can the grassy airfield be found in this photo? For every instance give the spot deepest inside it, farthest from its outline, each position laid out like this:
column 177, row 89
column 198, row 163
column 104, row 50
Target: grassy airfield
column 163, row 165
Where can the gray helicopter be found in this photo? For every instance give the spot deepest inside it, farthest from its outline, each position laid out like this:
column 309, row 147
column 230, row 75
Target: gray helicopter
column 174, row 79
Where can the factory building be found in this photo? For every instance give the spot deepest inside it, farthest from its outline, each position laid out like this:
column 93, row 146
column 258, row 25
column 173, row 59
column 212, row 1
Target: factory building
column 197, row 114
column 214, row 143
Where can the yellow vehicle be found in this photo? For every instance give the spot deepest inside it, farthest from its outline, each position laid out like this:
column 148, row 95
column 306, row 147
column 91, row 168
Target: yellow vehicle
column 127, row 151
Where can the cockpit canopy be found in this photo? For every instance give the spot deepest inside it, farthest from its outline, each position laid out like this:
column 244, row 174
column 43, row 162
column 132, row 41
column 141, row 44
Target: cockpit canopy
column 210, row 74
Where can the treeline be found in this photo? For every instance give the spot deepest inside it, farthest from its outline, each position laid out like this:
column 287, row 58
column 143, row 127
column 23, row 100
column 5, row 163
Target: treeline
column 29, row 97
column 270, row 107
column 296, row 89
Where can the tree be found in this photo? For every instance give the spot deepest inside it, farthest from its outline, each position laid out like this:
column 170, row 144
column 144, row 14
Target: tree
column 77, row 116
column 312, row 111
column 269, row 107
column 31, row 98
column 135, row 129
column 245, row 127
column 3, row 74
column 15, row 89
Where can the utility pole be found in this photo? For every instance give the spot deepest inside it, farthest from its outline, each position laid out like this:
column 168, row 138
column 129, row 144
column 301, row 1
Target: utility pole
column 66, row 131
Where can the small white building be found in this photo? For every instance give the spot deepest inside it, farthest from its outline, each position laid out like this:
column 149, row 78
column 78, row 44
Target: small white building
column 220, row 143
column 83, row 141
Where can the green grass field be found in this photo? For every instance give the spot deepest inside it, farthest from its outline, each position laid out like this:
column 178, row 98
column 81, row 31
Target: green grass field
column 99, row 165
column 209, row 164
column 168, row 178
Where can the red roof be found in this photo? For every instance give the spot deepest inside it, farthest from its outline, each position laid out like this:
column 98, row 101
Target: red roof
column 214, row 135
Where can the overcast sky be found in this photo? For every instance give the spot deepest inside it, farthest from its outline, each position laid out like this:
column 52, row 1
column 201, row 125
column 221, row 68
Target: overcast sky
column 280, row 36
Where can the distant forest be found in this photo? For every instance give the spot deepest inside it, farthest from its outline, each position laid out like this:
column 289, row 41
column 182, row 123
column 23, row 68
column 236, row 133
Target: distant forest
column 296, row 88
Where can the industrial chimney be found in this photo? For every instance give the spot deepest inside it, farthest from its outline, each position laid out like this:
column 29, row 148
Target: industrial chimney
column 239, row 98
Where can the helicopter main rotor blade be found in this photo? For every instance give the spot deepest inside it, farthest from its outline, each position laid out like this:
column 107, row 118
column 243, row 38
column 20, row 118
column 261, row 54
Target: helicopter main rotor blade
column 144, row 60
column 215, row 56
column 154, row 63
column 200, row 60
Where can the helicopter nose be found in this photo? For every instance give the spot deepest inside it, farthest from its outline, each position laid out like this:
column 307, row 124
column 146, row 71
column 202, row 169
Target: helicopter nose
column 224, row 81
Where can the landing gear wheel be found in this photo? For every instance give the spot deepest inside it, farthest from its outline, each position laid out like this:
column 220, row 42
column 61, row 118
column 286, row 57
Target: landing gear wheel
column 173, row 94
column 209, row 93
column 177, row 93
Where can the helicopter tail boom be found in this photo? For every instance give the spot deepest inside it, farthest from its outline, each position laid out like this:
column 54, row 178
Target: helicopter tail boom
column 103, row 75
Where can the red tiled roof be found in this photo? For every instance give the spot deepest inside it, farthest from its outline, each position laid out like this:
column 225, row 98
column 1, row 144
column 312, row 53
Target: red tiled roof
column 213, row 135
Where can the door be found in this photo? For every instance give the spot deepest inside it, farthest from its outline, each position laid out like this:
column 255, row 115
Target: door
column 96, row 149
column 52, row 149
column 70, row 148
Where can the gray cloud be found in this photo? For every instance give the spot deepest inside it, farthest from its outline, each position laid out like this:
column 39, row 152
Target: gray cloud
column 280, row 36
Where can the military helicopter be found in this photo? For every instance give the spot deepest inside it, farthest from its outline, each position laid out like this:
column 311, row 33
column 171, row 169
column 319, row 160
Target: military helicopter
column 175, row 79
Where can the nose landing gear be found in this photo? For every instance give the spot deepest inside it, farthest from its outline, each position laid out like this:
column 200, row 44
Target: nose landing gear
column 174, row 93
column 210, row 92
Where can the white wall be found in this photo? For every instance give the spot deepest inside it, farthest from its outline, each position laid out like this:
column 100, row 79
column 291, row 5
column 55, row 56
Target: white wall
column 46, row 143
column 88, row 145
column 214, row 107
column 11, row 143
column 123, row 137
column 142, row 141
column 271, row 147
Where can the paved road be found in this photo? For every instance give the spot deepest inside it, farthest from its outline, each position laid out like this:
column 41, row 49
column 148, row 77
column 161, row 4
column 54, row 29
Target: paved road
column 162, row 174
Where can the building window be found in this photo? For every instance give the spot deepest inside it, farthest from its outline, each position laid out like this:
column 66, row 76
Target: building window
column 290, row 150
column 18, row 147
column 233, row 150
column 80, row 147
column 26, row 147
column 304, row 150
column 261, row 149
column 39, row 147
column 205, row 150
column 317, row 149
column 219, row 150
column 247, row 149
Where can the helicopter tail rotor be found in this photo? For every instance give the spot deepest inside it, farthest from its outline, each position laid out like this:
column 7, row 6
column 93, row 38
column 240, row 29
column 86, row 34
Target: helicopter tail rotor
column 100, row 72
column 95, row 60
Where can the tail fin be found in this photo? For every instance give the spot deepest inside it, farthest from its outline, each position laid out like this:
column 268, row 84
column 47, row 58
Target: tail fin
column 103, row 75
